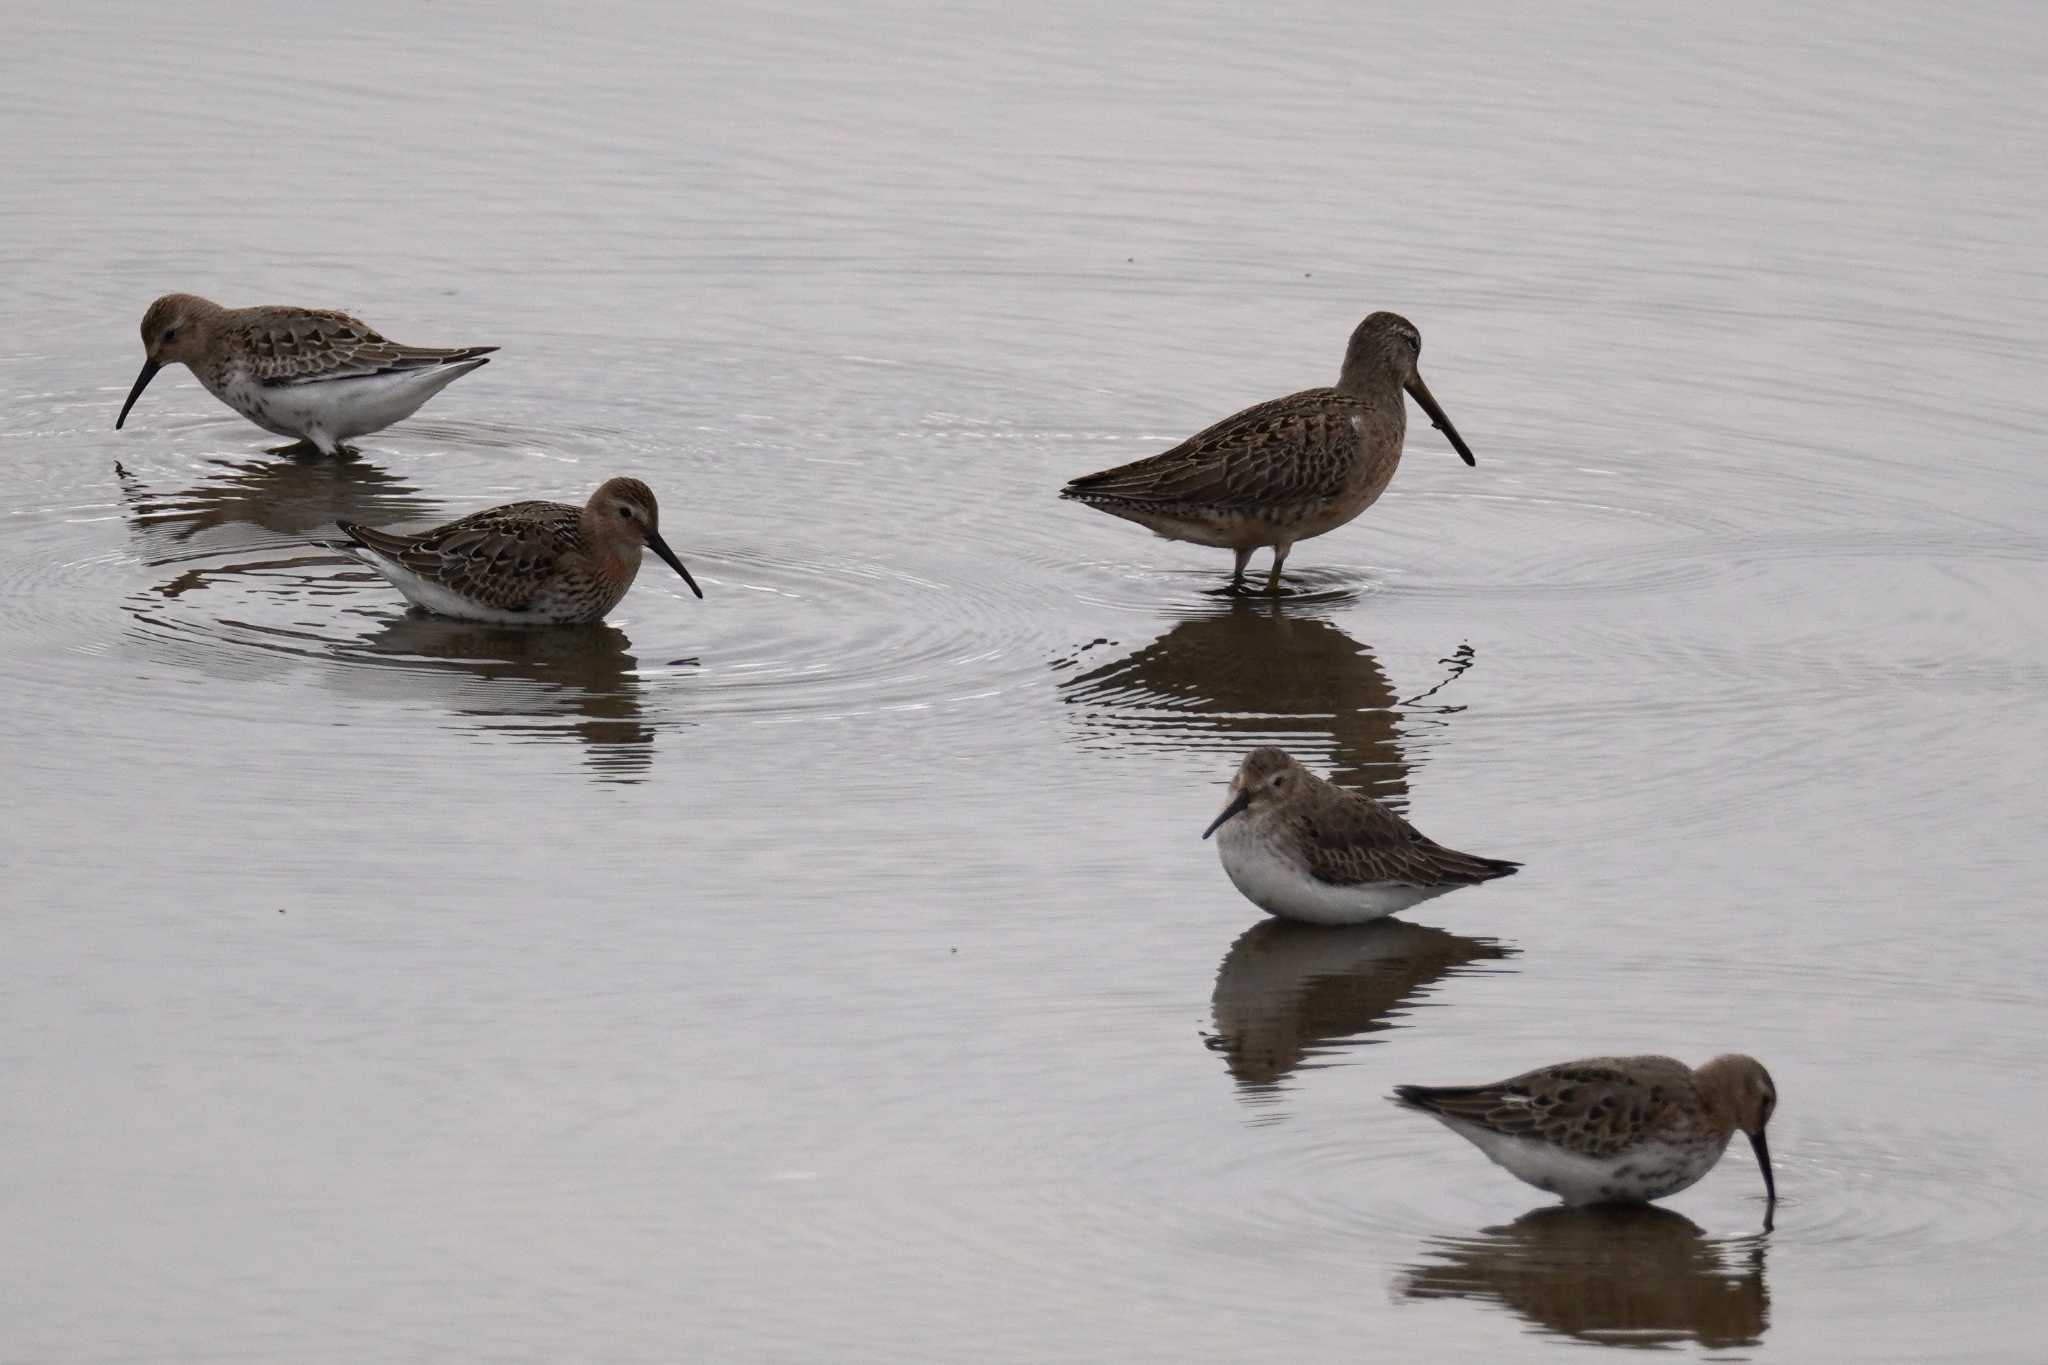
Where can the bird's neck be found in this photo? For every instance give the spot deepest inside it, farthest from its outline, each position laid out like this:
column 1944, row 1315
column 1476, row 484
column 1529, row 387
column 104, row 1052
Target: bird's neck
column 1373, row 385
column 614, row 555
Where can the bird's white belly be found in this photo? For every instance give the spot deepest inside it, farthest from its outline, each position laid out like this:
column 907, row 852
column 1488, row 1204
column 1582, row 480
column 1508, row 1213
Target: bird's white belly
column 1649, row 1171
column 431, row 596
column 253, row 401
column 336, row 410
column 1280, row 886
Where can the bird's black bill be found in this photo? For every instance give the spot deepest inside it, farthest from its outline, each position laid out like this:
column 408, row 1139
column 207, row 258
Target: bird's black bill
column 149, row 369
column 1436, row 414
column 660, row 547
column 1236, row 807
column 1763, row 1161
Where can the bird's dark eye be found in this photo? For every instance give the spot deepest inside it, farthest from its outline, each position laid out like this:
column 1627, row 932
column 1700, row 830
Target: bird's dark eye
column 170, row 334
column 625, row 511
column 1281, row 780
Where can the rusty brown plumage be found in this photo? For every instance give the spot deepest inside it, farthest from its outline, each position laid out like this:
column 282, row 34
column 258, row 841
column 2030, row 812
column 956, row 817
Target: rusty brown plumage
column 541, row 563
column 1283, row 470
column 1611, row 1128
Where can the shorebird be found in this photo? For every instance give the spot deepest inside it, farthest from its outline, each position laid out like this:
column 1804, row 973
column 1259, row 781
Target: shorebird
column 317, row 376
column 1285, row 470
column 1300, row 848
column 1610, row 1129
column 526, row 563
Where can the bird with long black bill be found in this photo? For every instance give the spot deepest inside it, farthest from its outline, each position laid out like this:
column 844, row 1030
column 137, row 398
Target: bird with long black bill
column 1612, row 1129
column 1285, row 470
column 311, row 374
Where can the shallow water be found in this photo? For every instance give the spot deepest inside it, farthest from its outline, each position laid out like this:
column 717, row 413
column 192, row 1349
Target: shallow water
column 830, row 970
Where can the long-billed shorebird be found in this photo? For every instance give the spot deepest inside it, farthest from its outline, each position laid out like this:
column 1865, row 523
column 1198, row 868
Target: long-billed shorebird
column 1301, row 848
column 526, row 563
column 317, row 376
column 1611, row 1129
column 1286, row 470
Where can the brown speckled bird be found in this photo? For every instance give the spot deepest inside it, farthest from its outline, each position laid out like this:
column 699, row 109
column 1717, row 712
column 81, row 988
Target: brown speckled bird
column 318, row 376
column 1305, row 849
column 1611, row 1129
column 1286, row 470
column 526, row 563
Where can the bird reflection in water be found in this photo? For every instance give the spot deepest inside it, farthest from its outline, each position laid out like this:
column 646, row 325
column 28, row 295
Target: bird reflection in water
column 1258, row 673
column 243, row 532
column 293, row 496
column 1618, row 1275
column 245, row 537
column 546, row 684
column 1288, row 994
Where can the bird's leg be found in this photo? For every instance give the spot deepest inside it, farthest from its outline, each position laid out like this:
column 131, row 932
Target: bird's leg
column 1244, row 557
column 1279, row 558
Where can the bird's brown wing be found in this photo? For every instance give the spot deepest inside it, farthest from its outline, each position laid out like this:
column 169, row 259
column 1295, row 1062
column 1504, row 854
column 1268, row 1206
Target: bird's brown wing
column 1594, row 1108
column 1293, row 449
column 498, row 557
column 1352, row 840
column 310, row 345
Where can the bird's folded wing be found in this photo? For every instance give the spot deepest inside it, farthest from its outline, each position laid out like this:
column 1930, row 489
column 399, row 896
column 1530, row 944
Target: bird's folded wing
column 1582, row 1107
column 499, row 557
column 304, row 346
column 1292, row 449
column 1352, row 841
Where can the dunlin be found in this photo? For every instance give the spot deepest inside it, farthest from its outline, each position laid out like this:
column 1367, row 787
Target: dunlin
column 1301, row 848
column 1285, row 470
column 526, row 563
column 317, row 376
column 1611, row 1129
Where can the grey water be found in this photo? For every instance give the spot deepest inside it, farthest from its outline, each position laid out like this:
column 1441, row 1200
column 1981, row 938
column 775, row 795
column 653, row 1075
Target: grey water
column 830, row 970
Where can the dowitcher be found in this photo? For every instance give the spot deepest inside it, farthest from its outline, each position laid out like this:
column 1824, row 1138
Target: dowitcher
column 1286, row 470
column 1301, row 848
column 317, row 376
column 526, row 563
column 1611, row 1129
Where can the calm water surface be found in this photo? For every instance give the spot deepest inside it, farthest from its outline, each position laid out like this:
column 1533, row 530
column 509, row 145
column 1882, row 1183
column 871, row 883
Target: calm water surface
column 831, row 970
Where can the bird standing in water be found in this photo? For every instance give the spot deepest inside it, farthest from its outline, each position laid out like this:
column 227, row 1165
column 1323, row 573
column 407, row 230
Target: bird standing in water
column 1286, row 470
column 317, row 376
column 1611, row 1129
column 1305, row 849
column 526, row 563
